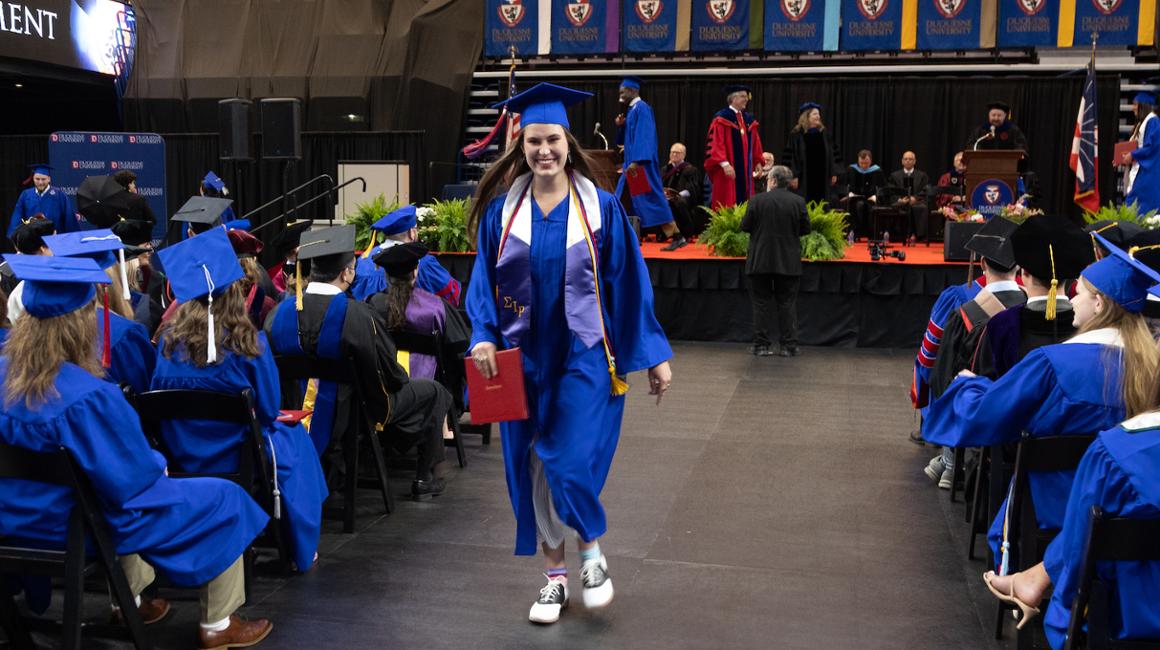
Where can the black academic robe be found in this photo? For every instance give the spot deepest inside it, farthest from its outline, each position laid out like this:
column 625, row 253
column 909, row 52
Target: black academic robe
column 812, row 170
column 863, row 184
column 961, row 335
column 1012, row 333
column 1007, row 137
column 686, row 178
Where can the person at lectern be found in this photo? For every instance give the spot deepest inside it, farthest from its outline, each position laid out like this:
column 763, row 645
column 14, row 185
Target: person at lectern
column 999, row 132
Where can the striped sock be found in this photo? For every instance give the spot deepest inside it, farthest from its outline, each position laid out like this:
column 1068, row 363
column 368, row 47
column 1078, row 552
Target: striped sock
column 554, row 574
column 590, row 554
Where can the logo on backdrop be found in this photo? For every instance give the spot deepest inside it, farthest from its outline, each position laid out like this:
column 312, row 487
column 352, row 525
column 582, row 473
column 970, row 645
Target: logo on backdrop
column 578, row 12
column 872, row 9
column 990, row 196
column 1031, row 7
column 795, row 10
column 511, row 12
column 720, row 10
column 1107, row 7
column 949, row 8
column 648, row 10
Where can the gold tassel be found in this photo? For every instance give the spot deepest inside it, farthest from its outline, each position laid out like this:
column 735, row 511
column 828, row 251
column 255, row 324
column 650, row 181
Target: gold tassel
column 298, row 284
column 370, row 246
column 619, row 386
column 1054, row 290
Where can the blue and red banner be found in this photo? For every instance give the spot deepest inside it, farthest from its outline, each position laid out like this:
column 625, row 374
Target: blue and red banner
column 1085, row 142
column 720, row 25
column 871, row 25
column 1027, row 23
column 949, row 24
column 511, row 23
column 585, row 26
column 801, row 25
column 1115, row 21
column 650, row 25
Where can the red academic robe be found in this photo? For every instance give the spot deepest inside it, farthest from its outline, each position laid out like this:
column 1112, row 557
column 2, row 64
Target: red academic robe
column 732, row 138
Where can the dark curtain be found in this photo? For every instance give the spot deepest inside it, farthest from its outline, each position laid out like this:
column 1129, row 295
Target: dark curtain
column 887, row 115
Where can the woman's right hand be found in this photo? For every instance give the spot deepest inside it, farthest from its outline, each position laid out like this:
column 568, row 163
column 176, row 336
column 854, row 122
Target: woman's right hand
column 483, row 356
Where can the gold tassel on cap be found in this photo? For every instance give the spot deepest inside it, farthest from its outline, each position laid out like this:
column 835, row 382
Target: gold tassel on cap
column 298, row 285
column 1054, row 290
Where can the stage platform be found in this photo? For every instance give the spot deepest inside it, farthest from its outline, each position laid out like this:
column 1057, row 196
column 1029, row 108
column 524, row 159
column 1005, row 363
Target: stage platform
column 852, row 302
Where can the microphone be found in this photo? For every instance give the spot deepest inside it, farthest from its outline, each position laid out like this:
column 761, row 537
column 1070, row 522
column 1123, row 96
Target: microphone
column 596, row 131
column 989, row 135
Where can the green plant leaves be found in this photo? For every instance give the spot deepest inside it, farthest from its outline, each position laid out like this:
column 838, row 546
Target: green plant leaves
column 723, row 236
column 442, row 224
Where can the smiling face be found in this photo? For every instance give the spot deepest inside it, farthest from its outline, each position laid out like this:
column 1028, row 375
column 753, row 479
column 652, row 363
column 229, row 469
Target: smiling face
column 626, row 94
column 739, row 100
column 815, row 118
column 545, row 149
column 677, row 153
column 40, row 181
column 996, row 117
column 1086, row 304
column 865, row 160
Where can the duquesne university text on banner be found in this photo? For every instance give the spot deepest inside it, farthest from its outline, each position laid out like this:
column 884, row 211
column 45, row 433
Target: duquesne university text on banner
column 871, row 25
column 522, row 24
column 1028, row 23
column 585, row 26
column 802, row 25
column 720, row 25
column 954, row 25
column 656, row 25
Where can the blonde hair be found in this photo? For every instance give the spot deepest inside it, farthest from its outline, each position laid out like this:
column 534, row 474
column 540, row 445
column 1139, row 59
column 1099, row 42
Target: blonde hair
column 233, row 330
column 37, row 347
column 117, row 302
column 803, row 123
column 1139, row 359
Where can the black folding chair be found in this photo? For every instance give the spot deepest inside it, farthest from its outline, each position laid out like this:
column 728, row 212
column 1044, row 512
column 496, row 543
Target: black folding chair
column 73, row 564
column 342, row 372
column 254, row 469
column 1027, row 541
column 1118, row 539
column 432, row 345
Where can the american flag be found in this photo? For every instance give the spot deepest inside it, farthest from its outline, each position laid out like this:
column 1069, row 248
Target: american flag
column 1084, row 144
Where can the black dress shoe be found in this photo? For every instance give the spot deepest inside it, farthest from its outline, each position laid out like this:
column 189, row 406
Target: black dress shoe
column 916, row 438
column 677, row 243
column 426, row 489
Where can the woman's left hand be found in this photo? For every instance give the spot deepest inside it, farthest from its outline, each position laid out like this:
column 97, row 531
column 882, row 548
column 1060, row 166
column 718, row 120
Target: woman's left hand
column 660, row 377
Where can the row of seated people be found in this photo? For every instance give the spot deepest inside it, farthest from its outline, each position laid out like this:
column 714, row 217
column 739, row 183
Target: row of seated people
column 1012, row 357
column 69, row 357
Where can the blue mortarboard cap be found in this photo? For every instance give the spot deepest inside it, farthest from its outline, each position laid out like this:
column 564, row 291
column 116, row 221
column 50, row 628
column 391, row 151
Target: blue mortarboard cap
column 201, row 265
column 808, row 106
column 400, row 220
column 238, row 224
column 55, row 286
column 1145, row 97
column 41, row 168
column 630, row 81
column 213, row 180
column 98, row 245
column 1121, row 277
column 544, row 103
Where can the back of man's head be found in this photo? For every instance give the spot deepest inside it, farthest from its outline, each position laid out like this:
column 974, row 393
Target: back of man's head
column 996, row 271
column 327, row 268
column 781, row 175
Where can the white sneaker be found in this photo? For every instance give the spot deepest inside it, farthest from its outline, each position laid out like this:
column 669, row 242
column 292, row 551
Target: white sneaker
column 934, row 469
column 947, row 479
column 597, row 584
column 553, row 598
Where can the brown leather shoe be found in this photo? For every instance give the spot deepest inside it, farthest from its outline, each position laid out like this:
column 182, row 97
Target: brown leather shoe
column 240, row 634
column 150, row 609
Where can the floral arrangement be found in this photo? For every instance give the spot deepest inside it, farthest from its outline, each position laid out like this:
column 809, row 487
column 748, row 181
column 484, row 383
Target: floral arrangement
column 443, row 225
column 1019, row 213
column 951, row 213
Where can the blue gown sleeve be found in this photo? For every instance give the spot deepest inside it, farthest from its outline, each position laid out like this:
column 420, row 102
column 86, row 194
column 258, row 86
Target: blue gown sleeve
column 1149, row 150
column 135, row 358
column 435, row 279
column 68, row 214
column 640, row 145
column 481, row 307
column 18, row 214
column 638, row 342
column 974, row 412
column 263, row 376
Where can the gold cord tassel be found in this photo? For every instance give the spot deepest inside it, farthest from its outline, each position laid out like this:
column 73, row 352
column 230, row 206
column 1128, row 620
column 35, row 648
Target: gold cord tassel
column 619, row 386
column 298, row 284
column 1054, row 290
column 371, row 245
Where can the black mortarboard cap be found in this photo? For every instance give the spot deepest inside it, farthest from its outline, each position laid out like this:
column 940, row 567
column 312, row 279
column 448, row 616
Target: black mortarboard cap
column 993, row 241
column 1117, row 232
column 325, row 242
column 1052, row 247
column 1145, row 247
column 202, row 209
column 1003, row 106
column 29, row 236
column 401, row 260
column 287, row 240
column 736, row 88
column 133, row 232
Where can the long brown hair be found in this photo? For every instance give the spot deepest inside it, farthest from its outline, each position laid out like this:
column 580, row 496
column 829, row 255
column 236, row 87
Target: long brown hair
column 37, row 347
column 117, row 303
column 398, row 297
column 513, row 164
column 803, row 123
column 233, row 329
column 1140, row 356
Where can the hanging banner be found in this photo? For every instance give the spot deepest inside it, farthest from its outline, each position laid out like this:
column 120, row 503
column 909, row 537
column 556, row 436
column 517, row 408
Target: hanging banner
column 871, row 25
column 650, row 25
column 585, row 26
column 720, row 25
column 511, row 23
column 1028, row 23
column 1115, row 21
column 950, row 25
column 801, row 25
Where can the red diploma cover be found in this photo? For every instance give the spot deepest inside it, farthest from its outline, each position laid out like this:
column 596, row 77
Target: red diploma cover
column 637, row 182
column 501, row 398
column 293, row 417
column 1122, row 148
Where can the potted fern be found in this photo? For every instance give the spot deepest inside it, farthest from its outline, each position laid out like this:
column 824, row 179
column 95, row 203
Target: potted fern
column 827, row 237
column 365, row 215
column 1127, row 212
column 723, row 236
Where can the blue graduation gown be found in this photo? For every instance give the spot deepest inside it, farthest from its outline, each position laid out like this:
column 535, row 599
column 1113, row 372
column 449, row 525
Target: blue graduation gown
column 208, row 446
column 1118, row 473
column 640, row 147
column 190, row 529
column 54, row 204
column 370, row 278
column 948, row 301
column 132, row 353
column 1055, row 390
column 574, row 419
column 1146, row 187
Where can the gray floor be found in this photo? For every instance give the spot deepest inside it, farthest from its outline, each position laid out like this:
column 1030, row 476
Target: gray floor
column 768, row 503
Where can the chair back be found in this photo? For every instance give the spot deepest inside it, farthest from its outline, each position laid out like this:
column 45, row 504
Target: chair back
column 1046, row 454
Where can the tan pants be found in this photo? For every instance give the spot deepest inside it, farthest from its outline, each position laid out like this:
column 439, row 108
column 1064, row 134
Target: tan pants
column 220, row 597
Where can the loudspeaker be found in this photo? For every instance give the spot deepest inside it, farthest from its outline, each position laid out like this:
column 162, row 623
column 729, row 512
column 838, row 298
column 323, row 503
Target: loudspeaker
column 281, row 128
column 955, row 238
column 234, row 128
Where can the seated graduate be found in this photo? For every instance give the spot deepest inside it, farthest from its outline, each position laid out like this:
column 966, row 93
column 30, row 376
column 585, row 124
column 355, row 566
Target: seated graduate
column 128, row 357
column 323, row 321
column 401, row 227
column 193, row 530
column 28, row 238
column 1079, row 387
column 1118, row 474
column 148, row 296
column 863, row 181
column 285, row 274
column 199, row 214
column 1050, row 251
column 259, row 289
column 406, row 306
column 211, row 344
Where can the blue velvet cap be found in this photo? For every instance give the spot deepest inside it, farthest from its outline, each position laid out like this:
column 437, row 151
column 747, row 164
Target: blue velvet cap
column 55, row 286
column 201, row 265
column 1121, row 277
column 400, row 220
column 1145, row 97
column 98, row 245
column 807, row 106
column 544, row 103
column 213, row 180
column 630, row 81
column 41, row 168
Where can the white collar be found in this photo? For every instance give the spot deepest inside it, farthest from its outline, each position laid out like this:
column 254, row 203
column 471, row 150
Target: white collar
column 46, row 189
column 1149, row 420
column 1002, row 285
column 322, row 289
column 633, row 102
column 1102, row 336
column 733, row 109
column 1034, row 300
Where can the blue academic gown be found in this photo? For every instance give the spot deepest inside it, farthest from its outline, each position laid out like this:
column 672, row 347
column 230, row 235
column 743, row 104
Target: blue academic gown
column 1146, row 188
column 54, row 204
column 948, row 301
column 640, row 146
column 208, row 446
column 574, row 419
column 191, row 529
column 370, row 278
column 1118, row 473
column 1056, row 390
column 132, row 353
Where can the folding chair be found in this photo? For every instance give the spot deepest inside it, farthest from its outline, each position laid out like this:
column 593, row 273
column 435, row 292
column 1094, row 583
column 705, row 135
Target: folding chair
column 432, row 345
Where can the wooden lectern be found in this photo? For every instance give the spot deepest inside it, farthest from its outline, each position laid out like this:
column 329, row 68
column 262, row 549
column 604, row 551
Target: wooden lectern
column 604, row 175
column 986, row 164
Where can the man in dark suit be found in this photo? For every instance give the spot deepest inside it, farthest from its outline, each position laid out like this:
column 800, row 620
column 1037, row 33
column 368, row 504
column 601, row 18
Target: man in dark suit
column 683, row 190
column 911, row 184
column 775, row 221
